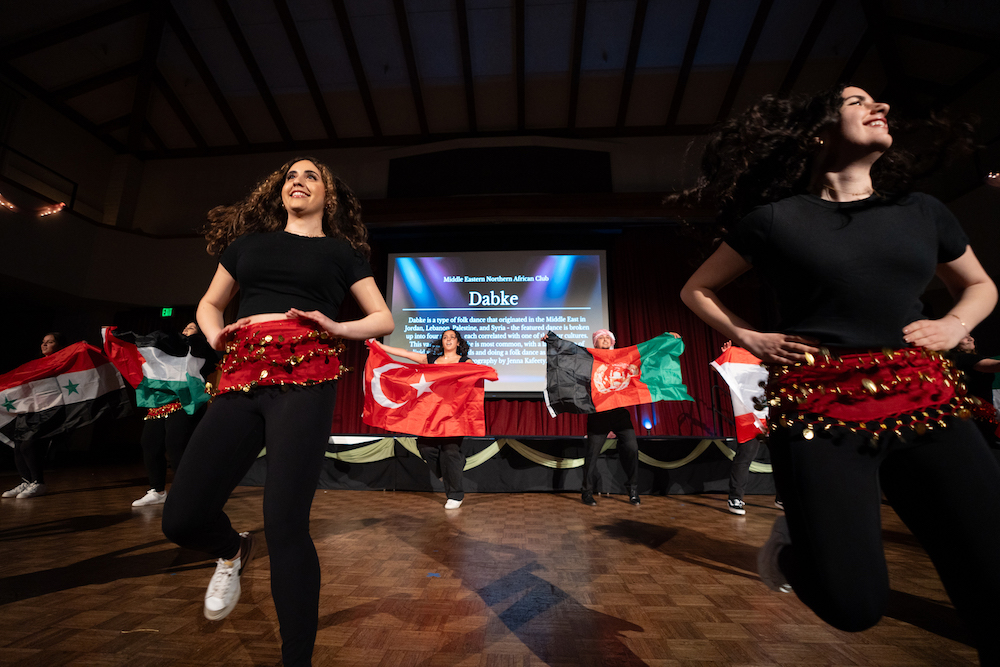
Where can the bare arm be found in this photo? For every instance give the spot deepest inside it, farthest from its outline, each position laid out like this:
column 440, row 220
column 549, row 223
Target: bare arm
column 376, row 322
column 975, row 296
column 988, row 366
column 209, row 315
column 406, row 354
column 700, row 295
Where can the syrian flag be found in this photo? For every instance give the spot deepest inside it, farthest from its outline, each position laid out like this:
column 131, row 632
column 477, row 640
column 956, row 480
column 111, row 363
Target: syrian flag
column 162, row 367
column 434, row 400
column 747, row 380
column 586, row 380
column 60, row 392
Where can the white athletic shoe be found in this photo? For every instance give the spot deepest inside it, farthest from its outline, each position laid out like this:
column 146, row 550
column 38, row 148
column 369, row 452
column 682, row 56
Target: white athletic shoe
column 152, row 497
column 452, row 504
column 224, row 589
column 767, row 557
column 16, row 490
column 737, row 506
column 34, row 489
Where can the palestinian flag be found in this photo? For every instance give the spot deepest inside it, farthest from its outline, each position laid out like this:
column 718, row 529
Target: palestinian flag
column 747, row 380
column 162, row 367
column 60, row 392
column 434, row 400
column 586, row 380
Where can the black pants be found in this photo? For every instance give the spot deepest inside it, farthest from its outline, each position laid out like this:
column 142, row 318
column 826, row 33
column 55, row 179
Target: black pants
column 28, row 459
column 294, row 424
column 598, row 426
column 944, row 485
column 445, row 459
column 165, row 439
column 739, row 471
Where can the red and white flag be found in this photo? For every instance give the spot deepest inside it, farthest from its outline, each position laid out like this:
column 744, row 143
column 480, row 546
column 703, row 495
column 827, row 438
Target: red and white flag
column 434, row 400
column 747, row 380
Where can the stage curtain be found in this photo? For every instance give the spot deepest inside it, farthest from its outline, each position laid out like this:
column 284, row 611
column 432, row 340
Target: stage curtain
column 647, row 268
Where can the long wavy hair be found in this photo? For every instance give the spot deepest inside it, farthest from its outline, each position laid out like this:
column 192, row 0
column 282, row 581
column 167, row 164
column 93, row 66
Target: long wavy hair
column 263, row 211
column 767, row 152
column 436, row 348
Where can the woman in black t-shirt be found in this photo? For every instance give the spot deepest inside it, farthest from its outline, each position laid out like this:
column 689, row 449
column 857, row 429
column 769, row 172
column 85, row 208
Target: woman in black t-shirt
column 294, row 247
column 443, row 455
column 861, row 400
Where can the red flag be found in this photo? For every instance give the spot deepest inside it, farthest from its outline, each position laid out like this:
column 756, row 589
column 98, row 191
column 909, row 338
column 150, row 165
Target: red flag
column 435, row 400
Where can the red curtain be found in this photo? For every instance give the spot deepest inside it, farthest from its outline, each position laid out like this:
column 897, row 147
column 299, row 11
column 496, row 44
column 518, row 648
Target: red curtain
column 647, row 266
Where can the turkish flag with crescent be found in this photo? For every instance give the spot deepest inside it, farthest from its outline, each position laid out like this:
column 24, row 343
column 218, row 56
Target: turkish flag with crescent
column 434, row 400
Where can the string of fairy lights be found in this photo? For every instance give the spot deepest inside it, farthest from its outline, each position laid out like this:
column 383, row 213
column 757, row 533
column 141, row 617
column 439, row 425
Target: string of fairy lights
column 40, row 212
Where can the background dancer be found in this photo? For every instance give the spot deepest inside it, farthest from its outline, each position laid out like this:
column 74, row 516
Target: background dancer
column 443, row 455
column 295, row 246
column 850, row 420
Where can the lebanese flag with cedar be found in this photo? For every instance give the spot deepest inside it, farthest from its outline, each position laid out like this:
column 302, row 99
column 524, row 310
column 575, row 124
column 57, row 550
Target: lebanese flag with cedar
column 746, row 379
column 433, row 400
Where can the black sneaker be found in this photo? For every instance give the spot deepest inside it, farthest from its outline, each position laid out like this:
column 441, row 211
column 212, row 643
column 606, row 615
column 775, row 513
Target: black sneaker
column 588, row 498
column 633, row 495
column 736, row 506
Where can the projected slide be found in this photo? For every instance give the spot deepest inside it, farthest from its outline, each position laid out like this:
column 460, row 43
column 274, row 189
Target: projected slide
column 501, row 303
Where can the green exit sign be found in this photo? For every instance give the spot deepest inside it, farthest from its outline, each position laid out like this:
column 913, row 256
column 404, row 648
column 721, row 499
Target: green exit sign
column 166, row 312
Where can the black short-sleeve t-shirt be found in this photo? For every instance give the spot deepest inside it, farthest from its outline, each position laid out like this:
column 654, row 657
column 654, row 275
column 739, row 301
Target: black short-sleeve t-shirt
column 849, row 274
column 280, row 270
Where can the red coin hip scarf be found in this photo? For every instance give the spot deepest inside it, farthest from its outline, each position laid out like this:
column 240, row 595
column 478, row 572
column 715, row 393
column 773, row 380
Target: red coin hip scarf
column 872, row 392
column 280, row 352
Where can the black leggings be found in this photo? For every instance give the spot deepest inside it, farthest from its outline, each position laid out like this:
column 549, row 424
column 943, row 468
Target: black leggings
column 945, row 486
column 739, row 471
column 445, row 459
column 294, row 424
column 28, row 459
column 599, row 425
column 165, row 439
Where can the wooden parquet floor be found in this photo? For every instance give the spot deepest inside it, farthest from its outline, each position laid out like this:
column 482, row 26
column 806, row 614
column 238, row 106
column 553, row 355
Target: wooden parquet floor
column 509, row 580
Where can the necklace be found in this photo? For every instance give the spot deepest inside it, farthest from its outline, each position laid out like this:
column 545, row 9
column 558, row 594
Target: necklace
column 868, row 193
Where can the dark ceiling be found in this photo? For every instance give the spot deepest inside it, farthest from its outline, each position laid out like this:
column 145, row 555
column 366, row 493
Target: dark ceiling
column 170, row 78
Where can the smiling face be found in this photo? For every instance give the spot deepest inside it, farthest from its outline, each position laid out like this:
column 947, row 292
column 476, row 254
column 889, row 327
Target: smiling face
column 603, row 342
column 190, row 330
column 49, row 345
column 863, row 122
column 449, row 341
column 303, row 192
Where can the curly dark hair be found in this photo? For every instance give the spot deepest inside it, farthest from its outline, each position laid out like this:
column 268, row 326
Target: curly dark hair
column 436, row 349
column 767, row 152
column 262, row 211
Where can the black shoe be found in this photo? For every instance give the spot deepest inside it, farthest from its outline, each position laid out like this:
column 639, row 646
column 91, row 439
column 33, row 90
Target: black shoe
column 588, row 498
column 633, row 495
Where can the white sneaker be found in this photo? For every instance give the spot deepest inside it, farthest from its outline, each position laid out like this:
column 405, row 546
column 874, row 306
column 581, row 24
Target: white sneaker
column 452, row 504
column 16, row 490
column 224, row 589
column 34, row 489
column 767, row 557
column 737, row 506
column 152, row 497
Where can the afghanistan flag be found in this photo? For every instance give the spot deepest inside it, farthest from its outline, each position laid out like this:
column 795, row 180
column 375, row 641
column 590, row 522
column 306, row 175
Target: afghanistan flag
column 747, row 380
column 162, row 367
column 60, row 392
column 434, row 400
column 585, row 380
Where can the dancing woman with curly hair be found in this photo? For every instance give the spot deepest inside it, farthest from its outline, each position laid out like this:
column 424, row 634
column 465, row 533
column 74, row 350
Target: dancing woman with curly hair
column 294, row 248
column 442, row 455
column 861, row 400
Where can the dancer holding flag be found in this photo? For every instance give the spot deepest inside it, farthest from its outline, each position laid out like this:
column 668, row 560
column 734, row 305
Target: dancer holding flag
column 862, row 402
column 601, row 382
column 295, row 247
column 452, row 409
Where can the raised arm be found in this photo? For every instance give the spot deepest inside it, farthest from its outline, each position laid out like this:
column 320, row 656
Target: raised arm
column 406, row 354
column 975, row 297
column 700, row 295
column 376, row 322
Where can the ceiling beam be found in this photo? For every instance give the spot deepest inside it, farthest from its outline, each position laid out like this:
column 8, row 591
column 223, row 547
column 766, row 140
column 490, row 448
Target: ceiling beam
column 96, row 82
column 114, row 124
column 73, row 29
column 292, row 33
column 638, row 22
column 689, row 53
column 178, row 108
column 191, row 49
column 579, row 24
column 153, row 137
column 519, row 59
column 411, row 63
column 746, row 55
column 806, row 45
column 895, row 74
column 144, row 77
column 858, row 56
column 246, row 53
column 359, row 71
column 463, row 40
column 942, row 35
